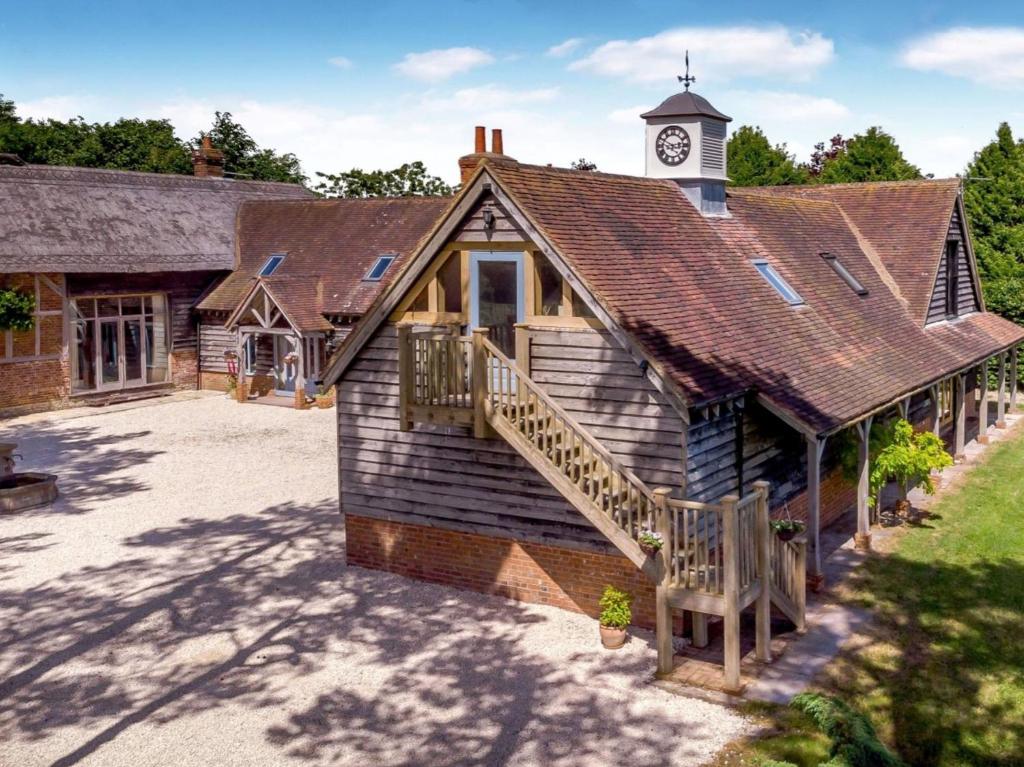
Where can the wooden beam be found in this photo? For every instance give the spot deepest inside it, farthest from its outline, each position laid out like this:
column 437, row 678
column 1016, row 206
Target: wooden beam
column 960, row 428
column 983, row 403
column 933, row 395
column 662, row 607
column 862, row 538
column 763, row 648
column 1013, row 379
column 815, row 450
column 731, row 619
column 1001, row 392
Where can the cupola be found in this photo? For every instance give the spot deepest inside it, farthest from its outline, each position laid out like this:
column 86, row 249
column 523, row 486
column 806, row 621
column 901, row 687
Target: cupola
column 686, row 139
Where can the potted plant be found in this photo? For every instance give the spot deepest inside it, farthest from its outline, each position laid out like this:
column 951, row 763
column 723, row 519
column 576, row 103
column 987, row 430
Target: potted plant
column 232, row 384
column 787, row 529
column 323, row 399
column 650, row 541
column 615, row 617
column 908, row 458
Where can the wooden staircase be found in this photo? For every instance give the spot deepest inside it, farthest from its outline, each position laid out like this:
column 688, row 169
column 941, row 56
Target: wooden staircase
column 716, row 559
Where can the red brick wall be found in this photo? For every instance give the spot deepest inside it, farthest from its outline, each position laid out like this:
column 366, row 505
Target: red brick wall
column 33, row 385
column 837, row 496
column 528, row 572
column 213, row 381
column 184, row 369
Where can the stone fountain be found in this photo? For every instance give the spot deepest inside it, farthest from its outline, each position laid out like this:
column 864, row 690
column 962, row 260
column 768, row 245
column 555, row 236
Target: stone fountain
column 22, row 490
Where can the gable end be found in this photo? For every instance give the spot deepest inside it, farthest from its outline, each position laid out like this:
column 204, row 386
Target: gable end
column 962, row 272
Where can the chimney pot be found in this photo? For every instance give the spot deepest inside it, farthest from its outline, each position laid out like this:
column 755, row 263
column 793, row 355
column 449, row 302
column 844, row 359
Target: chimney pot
column 207, row 161
column 480, row 146
column 496, row 143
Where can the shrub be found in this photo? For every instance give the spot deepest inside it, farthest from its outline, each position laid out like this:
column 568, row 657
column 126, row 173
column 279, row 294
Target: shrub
column 854, row 741
column 908, row 457
column 615, row 608
column 17, row 309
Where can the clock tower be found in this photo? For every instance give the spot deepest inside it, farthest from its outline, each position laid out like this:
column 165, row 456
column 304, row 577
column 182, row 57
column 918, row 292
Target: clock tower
column 686, row 143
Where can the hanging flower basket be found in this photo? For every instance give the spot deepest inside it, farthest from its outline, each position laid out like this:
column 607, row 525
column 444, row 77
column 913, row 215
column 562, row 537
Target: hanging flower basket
column 650, row 542
column 291, row 358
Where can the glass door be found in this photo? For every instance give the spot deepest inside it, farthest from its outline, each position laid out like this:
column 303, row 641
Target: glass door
column 134, row 351
column 109, row 354
column 497, row 296
column 284, row 371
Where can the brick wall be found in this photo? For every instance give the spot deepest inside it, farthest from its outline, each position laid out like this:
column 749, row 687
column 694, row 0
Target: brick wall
column 33, row 385
column 213, row 381
column 837, row 495
column 528, row 572
column 184, row 368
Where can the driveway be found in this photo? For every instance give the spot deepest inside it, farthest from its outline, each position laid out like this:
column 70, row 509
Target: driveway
column 187, row 602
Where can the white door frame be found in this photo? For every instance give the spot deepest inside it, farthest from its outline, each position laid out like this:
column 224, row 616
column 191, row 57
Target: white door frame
column 478, row 256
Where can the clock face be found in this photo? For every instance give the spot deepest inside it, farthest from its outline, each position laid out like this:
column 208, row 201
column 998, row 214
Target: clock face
column 672, row 145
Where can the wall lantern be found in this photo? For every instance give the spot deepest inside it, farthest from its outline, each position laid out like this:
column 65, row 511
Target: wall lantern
column 488, row 219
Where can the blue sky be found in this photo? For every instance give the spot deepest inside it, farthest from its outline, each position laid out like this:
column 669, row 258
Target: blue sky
column 375, row 84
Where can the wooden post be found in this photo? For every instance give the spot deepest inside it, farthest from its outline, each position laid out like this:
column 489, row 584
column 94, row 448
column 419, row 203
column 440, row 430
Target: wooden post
column 959, row 432
column 1001, row 392
column 933, row 395
column 405, row 377
column 300, row 373
column 983, row 403
column 662, row 608
column 731, row 627
column 862, row 538
column 764, row 600
column 815, row 449
column 480, row 383
column 904, row 408
column 801, row 583
column 241, row 384
column 1013, row 379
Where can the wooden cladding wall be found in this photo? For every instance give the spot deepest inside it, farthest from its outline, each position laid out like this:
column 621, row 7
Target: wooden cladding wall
column 473, row 228
column 183, row 290
column 439, row 476
column 590, row 375
column 967, row 301
column 214, row 340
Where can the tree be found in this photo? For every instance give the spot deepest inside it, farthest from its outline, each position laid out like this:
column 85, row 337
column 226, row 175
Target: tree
column 583, row 164
column 994, row 199
column 753, row 161
column 243, row 157
column 407, row 180
column 821, row 155
column 869, row 156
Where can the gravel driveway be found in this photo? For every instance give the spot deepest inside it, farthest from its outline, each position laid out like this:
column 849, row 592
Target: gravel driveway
column 186, row 602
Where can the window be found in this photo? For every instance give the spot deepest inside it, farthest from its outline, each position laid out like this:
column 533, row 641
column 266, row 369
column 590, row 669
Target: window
column 449, row 280
column 849, row 279
column 775, row 280
column 952, row 278
column 271, row 266
column 249, row 353
column 549, row 288
column 379, row 267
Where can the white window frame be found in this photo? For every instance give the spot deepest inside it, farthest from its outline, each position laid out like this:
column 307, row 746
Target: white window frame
column 272, row 264
column 778, row 283
column 390, row 258
column 250, row 357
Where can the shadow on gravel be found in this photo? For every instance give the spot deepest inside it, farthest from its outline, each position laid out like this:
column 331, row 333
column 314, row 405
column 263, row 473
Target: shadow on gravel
column 243, row 609
column 90, row 466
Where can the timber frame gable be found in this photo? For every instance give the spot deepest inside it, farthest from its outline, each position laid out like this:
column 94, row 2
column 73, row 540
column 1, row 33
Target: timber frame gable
column 402, row 289
column 967, row 266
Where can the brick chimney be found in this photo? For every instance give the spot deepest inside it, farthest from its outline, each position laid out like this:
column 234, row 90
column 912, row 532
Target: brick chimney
column 468, row 163
column 208, row 162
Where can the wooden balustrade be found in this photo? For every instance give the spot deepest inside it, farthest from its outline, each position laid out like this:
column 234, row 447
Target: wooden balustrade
column 789, row 577
column 435, row 383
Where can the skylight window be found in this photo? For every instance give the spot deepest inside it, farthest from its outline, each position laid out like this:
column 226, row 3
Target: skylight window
column 380, row 266
column 271, row 266
column 774, row 279
column 849, row 279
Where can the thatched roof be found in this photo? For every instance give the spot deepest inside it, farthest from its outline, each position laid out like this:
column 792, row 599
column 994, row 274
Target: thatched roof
column 59, row 219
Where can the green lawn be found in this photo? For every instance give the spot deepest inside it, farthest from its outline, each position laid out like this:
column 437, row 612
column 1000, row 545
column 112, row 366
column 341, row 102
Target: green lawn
column 943, row 676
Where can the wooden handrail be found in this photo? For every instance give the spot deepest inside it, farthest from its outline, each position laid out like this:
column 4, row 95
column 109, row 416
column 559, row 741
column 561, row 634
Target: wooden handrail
column 510, row 394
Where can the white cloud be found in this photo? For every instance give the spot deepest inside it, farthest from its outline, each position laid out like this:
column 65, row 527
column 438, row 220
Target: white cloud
column 491, row 97
column 988, row 55
column 629, row 115
column 716, row 53
column 438, row 65
column 787, row 107
column 341, row 62
column 565, row 48
column 55, row 107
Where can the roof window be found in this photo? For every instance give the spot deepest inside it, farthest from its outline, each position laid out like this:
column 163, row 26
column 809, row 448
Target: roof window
column 380, row 266
column 774, row 279
column 272, row 263
column 849, row 279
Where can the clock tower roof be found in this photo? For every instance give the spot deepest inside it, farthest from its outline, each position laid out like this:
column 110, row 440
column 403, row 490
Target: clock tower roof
column 684, row 105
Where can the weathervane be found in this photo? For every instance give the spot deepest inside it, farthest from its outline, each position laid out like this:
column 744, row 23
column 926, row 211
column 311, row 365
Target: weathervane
column 688, row 79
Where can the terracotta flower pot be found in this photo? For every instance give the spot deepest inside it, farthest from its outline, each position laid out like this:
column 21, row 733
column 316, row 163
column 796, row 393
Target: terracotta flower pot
column 648, row 549
column 324, row 403
column 903, row 509
column 612, row 638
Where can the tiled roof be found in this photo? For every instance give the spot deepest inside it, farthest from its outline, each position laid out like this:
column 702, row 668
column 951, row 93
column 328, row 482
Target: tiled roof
column 906, row 222
column 57, row 219
column 331, row 241
column 684, row 287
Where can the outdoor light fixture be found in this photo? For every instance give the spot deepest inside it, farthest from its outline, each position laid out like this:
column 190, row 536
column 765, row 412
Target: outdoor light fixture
column 488, row 219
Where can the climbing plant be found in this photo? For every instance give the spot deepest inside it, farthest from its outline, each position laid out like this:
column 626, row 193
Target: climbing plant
column 17, row 309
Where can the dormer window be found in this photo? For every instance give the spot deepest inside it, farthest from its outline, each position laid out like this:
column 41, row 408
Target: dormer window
column 380, row 266
column 844, row 274
column 774, row 279
column 952, row 279
column 272, row 263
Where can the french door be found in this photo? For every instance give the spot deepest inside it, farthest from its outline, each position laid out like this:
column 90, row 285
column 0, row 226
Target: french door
column 284, row 371
column 497, row 292
column 122, row 353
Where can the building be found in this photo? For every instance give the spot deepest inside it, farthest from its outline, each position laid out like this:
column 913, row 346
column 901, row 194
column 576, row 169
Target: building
column 116, row 261
column 571, row 359
column 306, row 271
